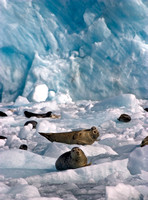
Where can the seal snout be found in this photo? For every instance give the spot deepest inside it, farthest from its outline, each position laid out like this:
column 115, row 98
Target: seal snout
column 76, row 151
column 95, row 132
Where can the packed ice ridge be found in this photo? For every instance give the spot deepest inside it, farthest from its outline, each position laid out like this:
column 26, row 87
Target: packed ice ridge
column 91, row 50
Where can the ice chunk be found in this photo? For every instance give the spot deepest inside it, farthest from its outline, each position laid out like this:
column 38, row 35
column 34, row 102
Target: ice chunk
column 85, row 174
column 20, row 101
column 40, row 93
column 122, row 191
column 138, row 160
column 15, row 158
column 124, row 100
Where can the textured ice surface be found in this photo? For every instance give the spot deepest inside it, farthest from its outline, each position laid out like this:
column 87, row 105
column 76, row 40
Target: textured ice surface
column 88, row 62
column 119, row 164
column 89, row 50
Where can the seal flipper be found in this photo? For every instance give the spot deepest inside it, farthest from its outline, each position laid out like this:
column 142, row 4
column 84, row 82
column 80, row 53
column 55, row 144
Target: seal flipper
column 48, row 136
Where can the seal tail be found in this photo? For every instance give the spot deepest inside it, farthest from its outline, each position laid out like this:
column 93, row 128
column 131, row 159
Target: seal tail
column 48, row 136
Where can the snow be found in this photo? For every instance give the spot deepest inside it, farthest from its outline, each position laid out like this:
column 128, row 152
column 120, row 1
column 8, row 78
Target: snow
column 40, row 93
column 86, row 61
column 119, row 164
column 122, row 191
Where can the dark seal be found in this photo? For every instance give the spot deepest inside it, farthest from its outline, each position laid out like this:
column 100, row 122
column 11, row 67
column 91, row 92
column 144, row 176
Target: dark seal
column 29, row 114
column 2, row 137
column 82, row 137
column 124, row 118
column 72, row 159
column 2, row 114
column 23, row 147
column 34, row 123
column 146, row 109
column 144, row 141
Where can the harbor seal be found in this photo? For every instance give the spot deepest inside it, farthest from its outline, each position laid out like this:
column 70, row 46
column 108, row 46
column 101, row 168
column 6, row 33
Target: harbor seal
column 124, row 118
column 82, row 137
column 29, row 114
column 144, row 141
column 72, row 159
column 34, row 123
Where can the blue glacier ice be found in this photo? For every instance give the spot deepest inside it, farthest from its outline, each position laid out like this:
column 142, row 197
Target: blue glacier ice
column 86, row 49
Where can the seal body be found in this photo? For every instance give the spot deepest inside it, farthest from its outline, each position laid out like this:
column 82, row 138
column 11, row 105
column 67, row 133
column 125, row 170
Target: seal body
column 82, row 137
column 2, row 114
column 23, row 147
column 144, row 142
column 72, row 159
column 34, row 123
column 29, row 114
column 2, row 137
column 124, row 118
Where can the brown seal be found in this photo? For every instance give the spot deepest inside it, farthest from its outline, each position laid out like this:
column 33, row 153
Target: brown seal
column 124, row 118
column 82, row 137
column 144, row 141
column 29, row 114
column 72, row 159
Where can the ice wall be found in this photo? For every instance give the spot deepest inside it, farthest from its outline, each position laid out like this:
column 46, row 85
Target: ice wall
column 86, row 49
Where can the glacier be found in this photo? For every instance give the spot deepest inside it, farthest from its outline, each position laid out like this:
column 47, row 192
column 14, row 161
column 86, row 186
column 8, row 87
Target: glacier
column 86, row 49
column 86, row 61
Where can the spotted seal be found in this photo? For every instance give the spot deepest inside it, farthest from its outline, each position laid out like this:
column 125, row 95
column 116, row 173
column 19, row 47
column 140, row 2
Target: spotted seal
column 72, row 159
column 82, row 137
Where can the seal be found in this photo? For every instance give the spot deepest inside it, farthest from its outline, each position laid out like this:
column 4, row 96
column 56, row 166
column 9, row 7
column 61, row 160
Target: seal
column 72, row 159
column 23, row 147
column 144, row 141
column 34, row 123
column 29, row 114
column 124, row 118
column 82, row 137
column 2, row 137
column 146, row 109
column 2, row 114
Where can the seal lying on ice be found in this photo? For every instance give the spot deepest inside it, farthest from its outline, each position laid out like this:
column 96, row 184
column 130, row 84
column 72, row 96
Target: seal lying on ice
column 29, row 114
column 72, row 159
column 124, row 118
column 82, row 137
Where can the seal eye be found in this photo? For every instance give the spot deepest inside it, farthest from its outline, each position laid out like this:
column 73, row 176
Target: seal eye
column 74, row 149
